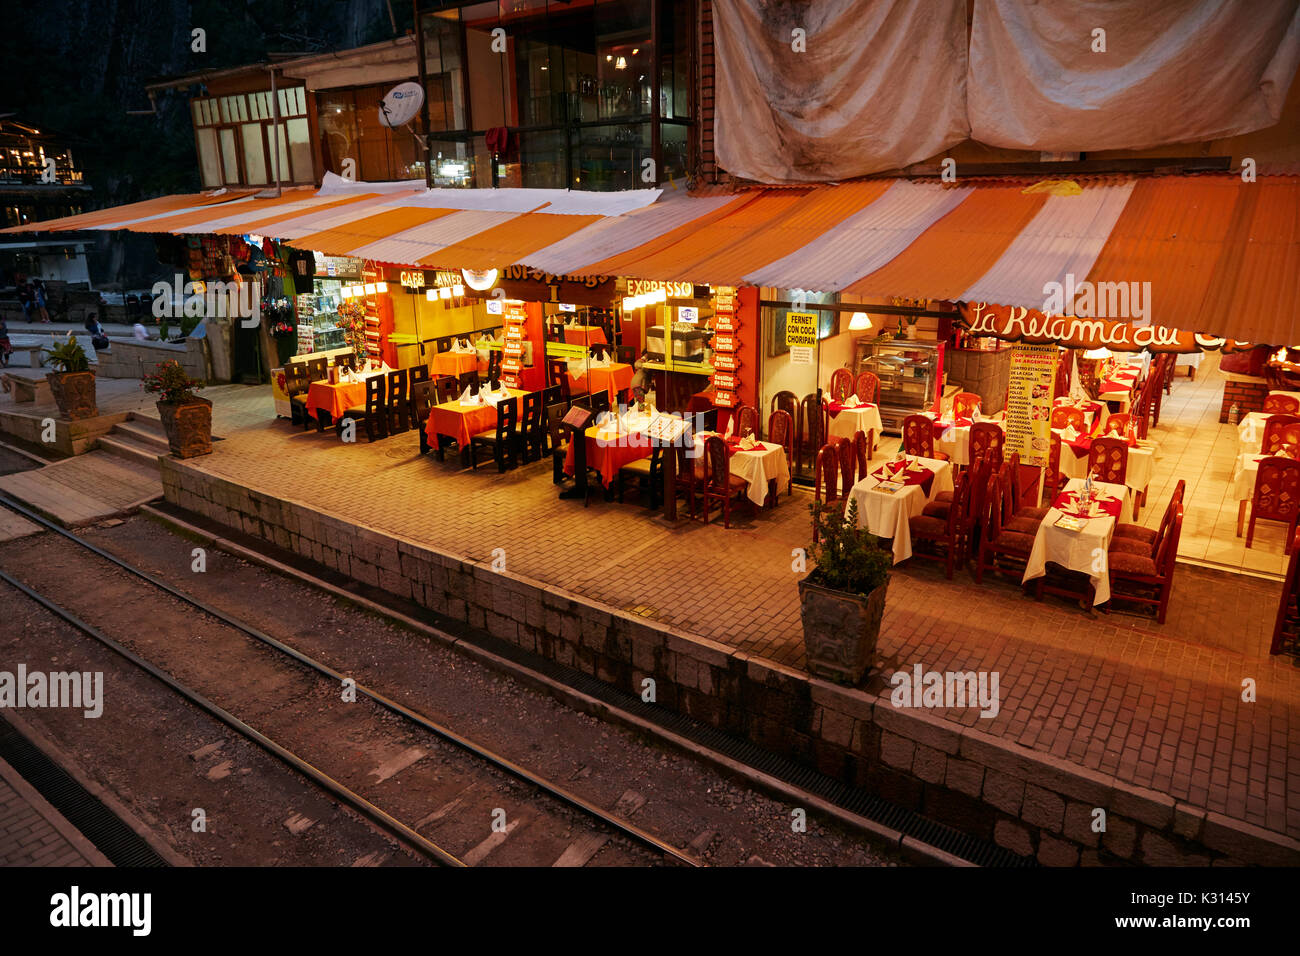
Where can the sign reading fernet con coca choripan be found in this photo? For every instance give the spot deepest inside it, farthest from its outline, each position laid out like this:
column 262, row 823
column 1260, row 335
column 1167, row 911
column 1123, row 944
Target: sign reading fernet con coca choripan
column 1019, row 324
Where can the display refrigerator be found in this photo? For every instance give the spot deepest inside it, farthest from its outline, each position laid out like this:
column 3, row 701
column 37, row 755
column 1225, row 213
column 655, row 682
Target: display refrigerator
column 907, row 369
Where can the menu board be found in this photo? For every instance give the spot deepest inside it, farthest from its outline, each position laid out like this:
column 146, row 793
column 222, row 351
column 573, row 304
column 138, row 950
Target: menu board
column 512, row 362
column 1029, row 402
column 726, row 380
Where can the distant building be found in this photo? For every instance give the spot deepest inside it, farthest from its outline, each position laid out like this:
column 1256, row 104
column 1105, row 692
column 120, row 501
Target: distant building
column 39, row 180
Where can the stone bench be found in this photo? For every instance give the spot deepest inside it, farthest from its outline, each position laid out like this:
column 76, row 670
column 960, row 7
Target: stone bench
column 26, row 389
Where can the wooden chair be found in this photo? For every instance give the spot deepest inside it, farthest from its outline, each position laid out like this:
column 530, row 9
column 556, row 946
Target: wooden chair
column 1140, row 412
column 1017, row 515
column 1286, row 626
column 986, row 439
column 502, row 439
column 296, row 385
column 1142, row 534
column 560, row 435
column 1053, row 480
column 318, row 369
column 780, row 431
column 557, row 376
column 811, row 428
column 862, row 450
column 446, row 388
column 532, row 427
column 787, row 402
column 1149, row 572
column 720, row 485
column 747, row 422
column 944, row 532
column 996, row 541
column 1277, row 496
column 965, row 405
column 467, row 380
column 686, row 484
column 1155, row 387
column 1108, row 461
column 647, row 471
column 1118, row 424
column 848, row 463
column 867, row 387
column 825, row 473
column 918, row 437
column 374, row 413
column 841, row 384
column 346, row 360
column 1281, row 405
column 495, row 357
column 1064, row 416
column 1280, row 431
column 423, row 396
column 399, row 402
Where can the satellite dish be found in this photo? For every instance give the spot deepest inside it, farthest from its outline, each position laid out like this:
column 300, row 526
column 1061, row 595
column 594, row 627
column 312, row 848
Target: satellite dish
column 400, row 104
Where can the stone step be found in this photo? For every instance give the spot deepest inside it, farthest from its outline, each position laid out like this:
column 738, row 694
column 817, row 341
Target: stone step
column 86, row 488
column 127, row 446
column 147, row 431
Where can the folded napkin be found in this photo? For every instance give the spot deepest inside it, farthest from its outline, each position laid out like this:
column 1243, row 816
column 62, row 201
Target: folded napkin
column 730, row 424
column 748, row 443
column 1070, row 434
column 851, row 402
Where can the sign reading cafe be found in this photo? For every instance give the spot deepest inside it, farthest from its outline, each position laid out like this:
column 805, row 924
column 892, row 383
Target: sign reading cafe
column 1019, row 324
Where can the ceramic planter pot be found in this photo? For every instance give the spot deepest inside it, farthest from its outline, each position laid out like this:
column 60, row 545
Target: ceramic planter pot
column 74, row 393
column 840, row 630
column 188, row 425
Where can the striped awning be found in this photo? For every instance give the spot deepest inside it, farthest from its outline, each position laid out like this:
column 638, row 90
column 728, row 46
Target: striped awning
column 1222, row 256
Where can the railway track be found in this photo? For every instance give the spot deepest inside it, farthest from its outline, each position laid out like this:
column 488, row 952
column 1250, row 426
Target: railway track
column 286, row 696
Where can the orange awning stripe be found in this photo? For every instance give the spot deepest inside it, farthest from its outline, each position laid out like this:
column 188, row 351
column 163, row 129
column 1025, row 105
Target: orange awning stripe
column 205, row 213
column 88, row 220
column 504, row 244
column 341, row 240
column 950, row 256
column 259, row 225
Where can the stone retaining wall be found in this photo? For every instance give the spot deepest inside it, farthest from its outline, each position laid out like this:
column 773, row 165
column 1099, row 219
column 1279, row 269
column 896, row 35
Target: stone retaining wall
column 1026, row 801
column 131, row 358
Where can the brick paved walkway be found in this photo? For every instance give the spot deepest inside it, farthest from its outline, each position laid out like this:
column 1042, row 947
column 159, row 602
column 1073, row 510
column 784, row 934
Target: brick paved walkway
column 1157, row 706
column 33, row 833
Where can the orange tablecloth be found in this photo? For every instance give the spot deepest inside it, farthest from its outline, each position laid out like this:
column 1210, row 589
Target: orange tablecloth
column 584, row 335
column 612, row 379
column 335, row 399
column 454, row 363
column 606, row 457
column 462, row 422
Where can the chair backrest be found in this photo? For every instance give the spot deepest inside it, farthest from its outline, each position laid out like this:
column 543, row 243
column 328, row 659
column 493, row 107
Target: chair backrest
column 844, row 451
column 556, row 426
column 1108, row 459
column 397, row 386
column 625, row 354
column 826, row 472
column 810, row 420
column 318, row 369
column 862, row 444
column 598, row 401
column 979, row 473
column 867, row 387
column 1117, row 424
column 993, row 507
column 296, row 378
column 986, row 439
column 376, row 402
column 918, row 436
column 443, row 343
column 508, row 418
column 747, row 421
column 1280, row 430
column 345, row 360
column 1277, row 489
column 423, row 396
column 787, row 402
column 715, row 462
column 552, row 395
column 494, row 365
column 1179, row 489
column 1281, row 405
column 1168, row 551
column 959, row 510
column 964, row 404
column 417, row 373
column 780, row 429
column 1064, row 416
column 557, row 370
column 532, row 412
column 466, row 379
column 841, row 384
column 445, row 387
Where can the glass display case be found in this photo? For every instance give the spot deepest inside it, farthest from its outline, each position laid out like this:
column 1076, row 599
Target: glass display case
column 907, row 370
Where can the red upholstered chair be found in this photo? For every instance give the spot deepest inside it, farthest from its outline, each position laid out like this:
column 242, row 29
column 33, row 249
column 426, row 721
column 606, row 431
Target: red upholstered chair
column 947, row 532
column 1066, row 415
column 965, row 404
column 1281, row 405
column 825, row 474
column 1153, row 572
column 1117, row 424
column 841, row 384
column 996, row 541
column 1108, row 460
column 787, row 402
column 810, row 428
column 867, row 387
column 1053, row 481
column 747, row 421
column 720, row 485
column 1277, row 495
column 686, row 481
column 986, row 439
column 862, row 449
column 1286, row 626
column 780, row 431
column 918, row 437
column 1280, row 430
column 844, row 451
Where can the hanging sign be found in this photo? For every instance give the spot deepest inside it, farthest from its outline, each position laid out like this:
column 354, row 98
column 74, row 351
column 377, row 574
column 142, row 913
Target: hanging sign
column 725, row 380
column 674, row 290
column 726, row 361
column 800, row 329
column 724, row 343
column 1029, row 402
column 724, row 398
column 1018, row 324
column 726, row 322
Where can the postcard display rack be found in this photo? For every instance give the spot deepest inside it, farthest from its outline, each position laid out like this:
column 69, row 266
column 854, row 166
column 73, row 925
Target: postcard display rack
column 726, row 366
column 512, row 361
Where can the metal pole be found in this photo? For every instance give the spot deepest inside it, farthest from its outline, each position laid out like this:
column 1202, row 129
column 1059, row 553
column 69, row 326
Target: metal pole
column 424, row 108
column 655, row 145
column 275, row 137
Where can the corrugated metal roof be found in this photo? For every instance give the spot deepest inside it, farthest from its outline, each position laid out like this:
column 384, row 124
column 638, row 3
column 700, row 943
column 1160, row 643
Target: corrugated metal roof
column 202, row 215
column 864, row 241
column 505, row 244
column 1065, row 237
column 265, row 224
column 343, row 239
column 410, row 246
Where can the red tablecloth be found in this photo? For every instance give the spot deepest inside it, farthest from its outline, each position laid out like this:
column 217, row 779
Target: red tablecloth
column 335, row 399
column 609, row 456
column 454, row 363
column 462, row 422
column 941, row 427
column 1068, row 502
column 913, row 476
column 584, row 335
column 836, row 407
column 1083, row 445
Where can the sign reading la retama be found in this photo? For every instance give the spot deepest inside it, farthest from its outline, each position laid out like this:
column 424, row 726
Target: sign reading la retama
column 1019, row 324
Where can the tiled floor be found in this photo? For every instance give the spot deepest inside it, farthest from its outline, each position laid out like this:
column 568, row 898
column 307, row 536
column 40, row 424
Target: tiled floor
column 1158, row 706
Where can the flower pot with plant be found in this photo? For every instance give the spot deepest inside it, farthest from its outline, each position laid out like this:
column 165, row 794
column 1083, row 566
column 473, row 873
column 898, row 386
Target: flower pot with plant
column 186, row 418
column 843, row 599
column 72, row 383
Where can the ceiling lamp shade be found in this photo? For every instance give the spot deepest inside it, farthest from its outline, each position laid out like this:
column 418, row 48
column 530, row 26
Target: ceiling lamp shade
column 1101, row 353
column 859, row 321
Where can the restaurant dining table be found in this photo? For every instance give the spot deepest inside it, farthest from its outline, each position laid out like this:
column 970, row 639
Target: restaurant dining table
column 1250, row 431
column 614, row 443
column 1094, row 413
column 335, row 399
column 1083, row 548
column 462, row 422
column 952, row 437
column 764, row 467
column 846, row 420
column 1141, row 460
column 1242, row 485
column 1118, row 386
column 887, row 498
column 612, row 378
column 584, row 335
column 454, row 364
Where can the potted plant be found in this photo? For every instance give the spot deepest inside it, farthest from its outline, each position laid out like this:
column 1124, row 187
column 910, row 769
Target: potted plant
column 842, row 600
column 186, row 418
column 72, row 383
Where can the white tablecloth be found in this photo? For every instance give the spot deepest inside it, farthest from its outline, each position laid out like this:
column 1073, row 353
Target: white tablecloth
column 1250, row 432
column 1141, row 465
column 1244, row 471
column 1083, row 550
column 1189, row 358
column 1094, row 413
column 885, row 515
column 756, row 467
column 850, row 420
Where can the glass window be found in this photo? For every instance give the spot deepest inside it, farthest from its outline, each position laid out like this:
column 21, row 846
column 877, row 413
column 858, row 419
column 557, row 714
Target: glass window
column 254, row 154
column 209, row 158
column 610, row 157
column 282, row 171
column 337, row 126
column 300, row 150
column 229, row 156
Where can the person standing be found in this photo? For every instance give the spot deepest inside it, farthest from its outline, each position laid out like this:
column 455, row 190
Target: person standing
column 40, row 300
column 25, row 299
